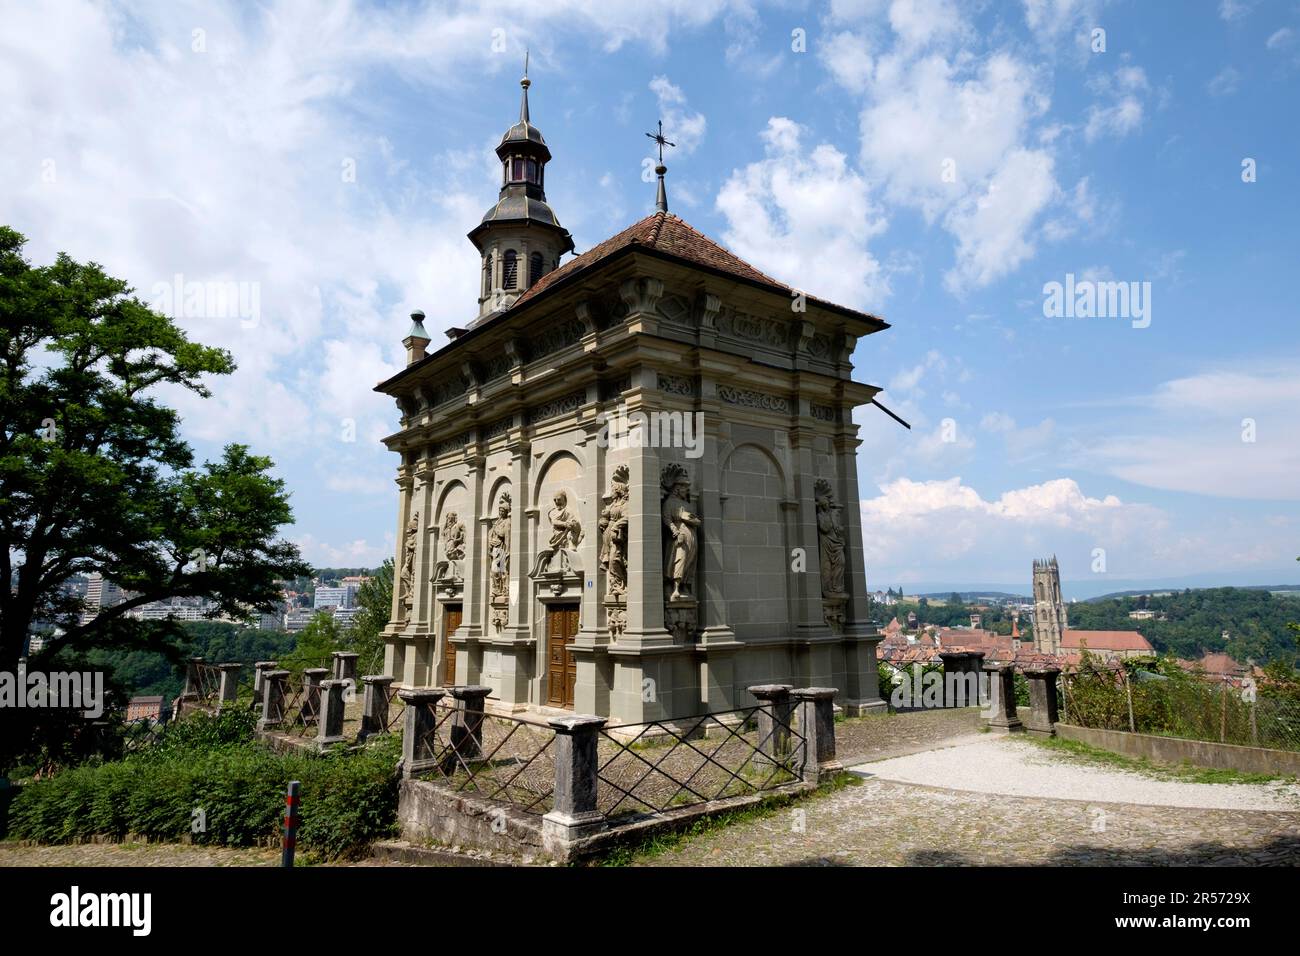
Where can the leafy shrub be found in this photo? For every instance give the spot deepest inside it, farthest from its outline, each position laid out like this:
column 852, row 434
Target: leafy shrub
column 204, row 731
column 348, row 799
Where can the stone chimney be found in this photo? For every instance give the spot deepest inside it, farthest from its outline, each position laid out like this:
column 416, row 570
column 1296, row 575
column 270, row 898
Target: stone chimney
column 417, row 340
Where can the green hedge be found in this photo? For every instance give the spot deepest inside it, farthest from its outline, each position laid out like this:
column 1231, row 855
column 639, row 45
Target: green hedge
column 348, row 799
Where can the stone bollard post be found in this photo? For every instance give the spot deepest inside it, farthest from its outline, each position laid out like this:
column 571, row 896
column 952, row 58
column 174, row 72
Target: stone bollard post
column 419, row 751
column 961, row 678
column 775, row 715
column 1001, row 712
column 345, row 665
column 816, row 709
column 311, row 681
column 330, row 727
column 574, row 816
column 259, row 670
column 374, row 705
column 275, row 686
column 1042, row 701
column 229, row 689
column 467, row 722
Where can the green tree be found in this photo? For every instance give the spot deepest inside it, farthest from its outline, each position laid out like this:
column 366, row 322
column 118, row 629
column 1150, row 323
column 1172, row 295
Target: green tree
column 375, row 599
column 94, row 476
column 320, row 638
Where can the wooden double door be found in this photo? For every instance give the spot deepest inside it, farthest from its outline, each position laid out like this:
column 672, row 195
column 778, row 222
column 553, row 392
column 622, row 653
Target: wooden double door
column 451, row 618
column 562, row 675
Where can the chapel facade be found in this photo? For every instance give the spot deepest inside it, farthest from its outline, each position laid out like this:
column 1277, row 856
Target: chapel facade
column 628, row 487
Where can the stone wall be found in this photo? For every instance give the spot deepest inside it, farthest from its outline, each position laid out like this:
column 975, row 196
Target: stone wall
column 1176, row 750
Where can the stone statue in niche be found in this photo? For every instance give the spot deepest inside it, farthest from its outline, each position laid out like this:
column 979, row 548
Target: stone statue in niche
column 831, row 540
column 561, row 554
column 682, row 547
column 613, row 535
column 408, row 558
column 453, row 549
column 453, row 538
column 499, row 550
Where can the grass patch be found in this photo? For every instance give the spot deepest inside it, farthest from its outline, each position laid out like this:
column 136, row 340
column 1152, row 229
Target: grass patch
column 660, row 843
column 1184, row 772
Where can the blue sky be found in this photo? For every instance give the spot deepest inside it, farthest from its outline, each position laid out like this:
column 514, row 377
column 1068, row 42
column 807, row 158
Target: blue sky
column 936, row 163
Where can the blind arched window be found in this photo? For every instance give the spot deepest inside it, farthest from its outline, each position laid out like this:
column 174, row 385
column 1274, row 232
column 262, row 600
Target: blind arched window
column 534, row 267
column 510, row 270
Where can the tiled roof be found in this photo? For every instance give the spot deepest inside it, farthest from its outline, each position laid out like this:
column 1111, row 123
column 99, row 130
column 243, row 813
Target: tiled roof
column 1106, row 640
column 1222, row 664
column 666, row 233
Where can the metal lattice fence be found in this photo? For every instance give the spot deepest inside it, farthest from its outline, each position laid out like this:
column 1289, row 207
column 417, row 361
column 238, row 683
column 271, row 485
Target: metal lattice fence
column 665, row 765
column 652, row 767
column 141, row 734
column 499, row 758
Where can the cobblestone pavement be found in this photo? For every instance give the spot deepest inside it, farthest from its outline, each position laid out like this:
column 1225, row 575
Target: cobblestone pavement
column 135, row 854
column 863, row 738
column 883, row 822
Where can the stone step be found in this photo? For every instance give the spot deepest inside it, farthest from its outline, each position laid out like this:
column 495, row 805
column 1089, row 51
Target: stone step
column 417, row 854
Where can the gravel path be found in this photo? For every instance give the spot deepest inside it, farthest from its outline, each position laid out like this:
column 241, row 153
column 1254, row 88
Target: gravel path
column 1016, row 767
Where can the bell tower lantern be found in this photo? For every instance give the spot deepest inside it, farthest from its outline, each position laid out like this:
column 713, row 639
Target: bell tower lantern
column 519, row 239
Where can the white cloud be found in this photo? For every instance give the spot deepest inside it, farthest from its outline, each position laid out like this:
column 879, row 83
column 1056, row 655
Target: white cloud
column 1080, row 211
column 1234, row 9
column 993, row 230
column 1051, row 18
column 949, row 139
column 1123, row 111
column 926, row 112
column 920, row 22
column 948, row 529
column 1021, row 443
column 1224, row 83
column 847, row 55
column 1193, row 435
column 803, row 215
column 1281, row 39
column 907, row 381
column 683, row 127
column 357, row 553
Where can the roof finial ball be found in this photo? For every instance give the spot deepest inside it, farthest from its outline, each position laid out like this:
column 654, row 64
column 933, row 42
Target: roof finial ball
column 417, row 340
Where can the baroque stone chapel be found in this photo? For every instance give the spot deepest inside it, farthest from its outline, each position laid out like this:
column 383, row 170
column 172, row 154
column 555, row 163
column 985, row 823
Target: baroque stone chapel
column 628, row 487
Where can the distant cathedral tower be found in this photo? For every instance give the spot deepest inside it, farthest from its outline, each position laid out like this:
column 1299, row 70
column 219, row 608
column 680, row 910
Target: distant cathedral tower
column 519, row 239
column 1049, row 610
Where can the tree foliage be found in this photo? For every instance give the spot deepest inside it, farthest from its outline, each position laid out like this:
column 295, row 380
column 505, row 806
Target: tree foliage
column 94, row 475
column 1190, row 623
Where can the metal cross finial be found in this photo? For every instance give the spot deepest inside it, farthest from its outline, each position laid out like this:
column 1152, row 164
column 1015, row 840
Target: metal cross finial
column 659, row 139
column 525, row 61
